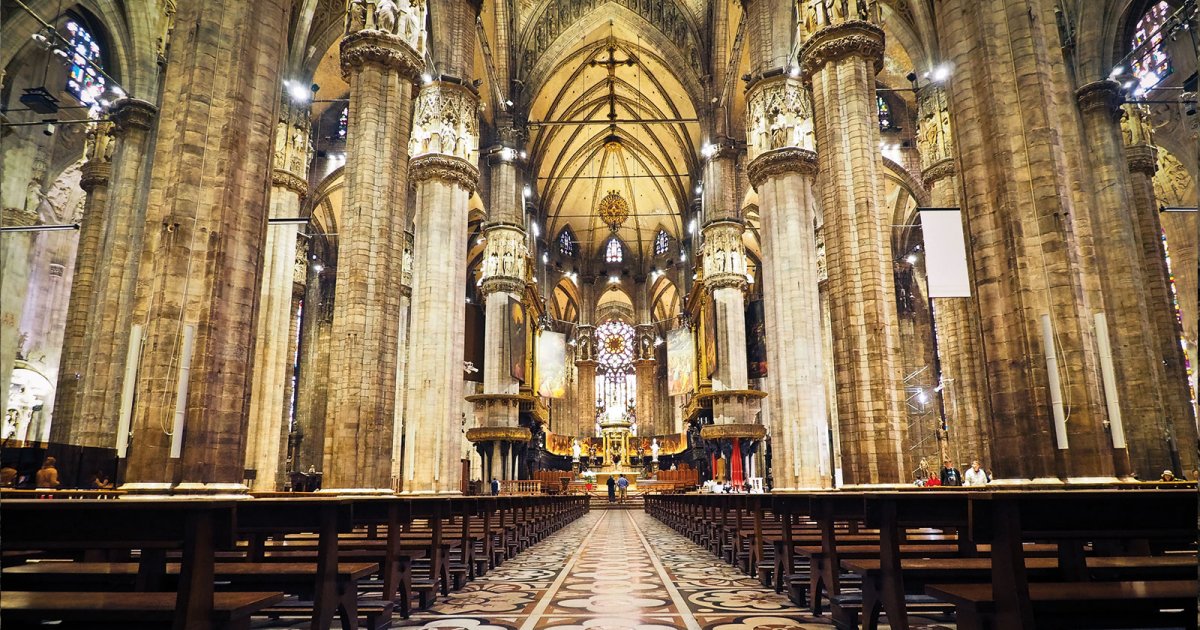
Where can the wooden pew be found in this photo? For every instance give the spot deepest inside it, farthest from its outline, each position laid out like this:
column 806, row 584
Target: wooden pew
column 199, row 527
column 1125, row 520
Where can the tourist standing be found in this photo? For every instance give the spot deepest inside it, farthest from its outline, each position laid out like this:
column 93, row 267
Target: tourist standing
column 612, row 490
column 495, row 486
column 975, row 476
column 623, row 486
column 950, row 474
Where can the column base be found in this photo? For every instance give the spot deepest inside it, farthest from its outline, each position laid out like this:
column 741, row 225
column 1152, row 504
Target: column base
column 431, row 493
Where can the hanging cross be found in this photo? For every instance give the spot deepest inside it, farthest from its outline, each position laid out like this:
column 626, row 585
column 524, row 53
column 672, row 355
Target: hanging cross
column 611, row 64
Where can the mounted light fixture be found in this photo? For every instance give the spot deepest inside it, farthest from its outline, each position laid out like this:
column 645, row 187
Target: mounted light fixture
column 613, row 210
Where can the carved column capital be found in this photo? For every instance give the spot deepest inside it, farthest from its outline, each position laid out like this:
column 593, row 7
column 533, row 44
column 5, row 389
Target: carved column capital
column 939, row 171
column 850, row 38
column 779, row 114
column 1142, row 158
column 290, row 181
column 380, row 48
column 445, row 121
column 1100, row 97
column 132, row 113
column 95, row 173
column 724, row 256
column 780, row 161
column 452, row 170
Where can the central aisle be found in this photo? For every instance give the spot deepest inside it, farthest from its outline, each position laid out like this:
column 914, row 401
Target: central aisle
column 611, row 570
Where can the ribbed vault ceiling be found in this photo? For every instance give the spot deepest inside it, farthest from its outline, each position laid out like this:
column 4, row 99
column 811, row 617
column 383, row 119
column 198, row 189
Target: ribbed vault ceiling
column 648, row 164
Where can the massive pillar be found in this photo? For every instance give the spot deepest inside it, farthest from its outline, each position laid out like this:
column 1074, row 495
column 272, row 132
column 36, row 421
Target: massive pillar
column 16, row 251
column 644, row 366
column 585, row 382
column 1027, row 214
column 1138, row 371
column 840, row 60
column 504, row 270
column 274, row 337
column 783, row 171
column 97, row 348
column 95, row 179
column 783, row 168
column 1179, row 414
column 444, row 140
column 312, row 401
column 955, row 320
column 381, row 59
column 200, row 265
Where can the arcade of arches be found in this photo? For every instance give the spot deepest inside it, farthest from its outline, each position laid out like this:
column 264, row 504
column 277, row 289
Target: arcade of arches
column 419, row 245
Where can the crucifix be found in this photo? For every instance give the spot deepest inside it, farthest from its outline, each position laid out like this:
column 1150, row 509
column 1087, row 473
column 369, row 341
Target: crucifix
column 611, row 64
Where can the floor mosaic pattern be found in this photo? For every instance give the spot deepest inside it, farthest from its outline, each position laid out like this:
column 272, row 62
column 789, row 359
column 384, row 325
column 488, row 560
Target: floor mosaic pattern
column 618, row 570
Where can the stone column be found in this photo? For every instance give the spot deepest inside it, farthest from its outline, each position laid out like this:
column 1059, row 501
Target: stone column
column 585, row 366
column 644, row 366
column 1137, row 364
column 380, row 59
column 272, row 360
column 1142, row 160
column 1030, row 235
column 315, row 348
column 96, row 173
column 783, row 169
column 93, row 412
column 201, row 258
column 503, row 273
column 955, row 320
column 840, row 60
column 443, row 148
column 16, row 253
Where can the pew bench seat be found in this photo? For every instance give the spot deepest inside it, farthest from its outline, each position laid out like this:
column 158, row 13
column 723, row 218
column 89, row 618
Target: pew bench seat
column 1139, row 604
column 27, row 609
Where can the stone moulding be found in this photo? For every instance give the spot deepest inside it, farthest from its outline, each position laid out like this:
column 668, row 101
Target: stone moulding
column 95, row 173
column 730, row 431
column 1142, row 158
column 498, row 434
column 781, row 161
column 456, row 171
column 1104, row 96
column 130, row 113
column 831, row 43
column 368, row 47
column 938, row 171
column 290, row 181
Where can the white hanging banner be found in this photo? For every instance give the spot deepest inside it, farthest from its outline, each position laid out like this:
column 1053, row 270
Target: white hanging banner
column 945, row 253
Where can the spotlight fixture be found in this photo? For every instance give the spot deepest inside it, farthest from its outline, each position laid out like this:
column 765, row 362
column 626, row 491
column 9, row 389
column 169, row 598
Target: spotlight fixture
column 524, row 155
column 49, row 130
column 536, row 230
column 526, row 192
column 318, row 268
column 942, row 72
column 545, row 258
column 506, row 154
column 426, row 78
column 794, row 71
column 911, row 258
column 1116, row 72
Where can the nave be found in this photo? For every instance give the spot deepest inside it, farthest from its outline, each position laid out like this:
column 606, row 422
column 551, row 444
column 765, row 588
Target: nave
column 621, row 570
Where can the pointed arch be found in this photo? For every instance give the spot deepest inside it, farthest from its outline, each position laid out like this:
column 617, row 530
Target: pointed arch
column 664, row 299
column 564, row 301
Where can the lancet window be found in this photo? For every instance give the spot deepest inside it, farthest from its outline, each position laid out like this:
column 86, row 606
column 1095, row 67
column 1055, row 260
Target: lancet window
column 613, row 253
column 84, row 81
column 1151, row 64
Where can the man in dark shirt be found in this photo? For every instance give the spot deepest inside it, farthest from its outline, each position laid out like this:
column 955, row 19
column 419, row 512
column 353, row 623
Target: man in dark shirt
column 950, row 474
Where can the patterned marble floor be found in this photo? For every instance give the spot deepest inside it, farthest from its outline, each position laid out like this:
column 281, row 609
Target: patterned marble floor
column 617, row 570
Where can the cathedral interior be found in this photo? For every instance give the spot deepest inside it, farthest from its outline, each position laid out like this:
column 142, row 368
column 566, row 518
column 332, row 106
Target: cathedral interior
column 455, row 248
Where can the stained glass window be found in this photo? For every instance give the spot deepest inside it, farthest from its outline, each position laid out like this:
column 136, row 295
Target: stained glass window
column 615, row 341
column 885, row 114
column 343, row 122
column 661, row 242
column 566, row 243
column 1150, row 61
column 616, row 385
column 613, row 253
column 1187, row 360
column 84, row 81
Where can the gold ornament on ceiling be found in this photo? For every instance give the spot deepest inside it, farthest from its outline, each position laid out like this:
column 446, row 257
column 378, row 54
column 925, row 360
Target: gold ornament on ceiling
column 613, row 210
